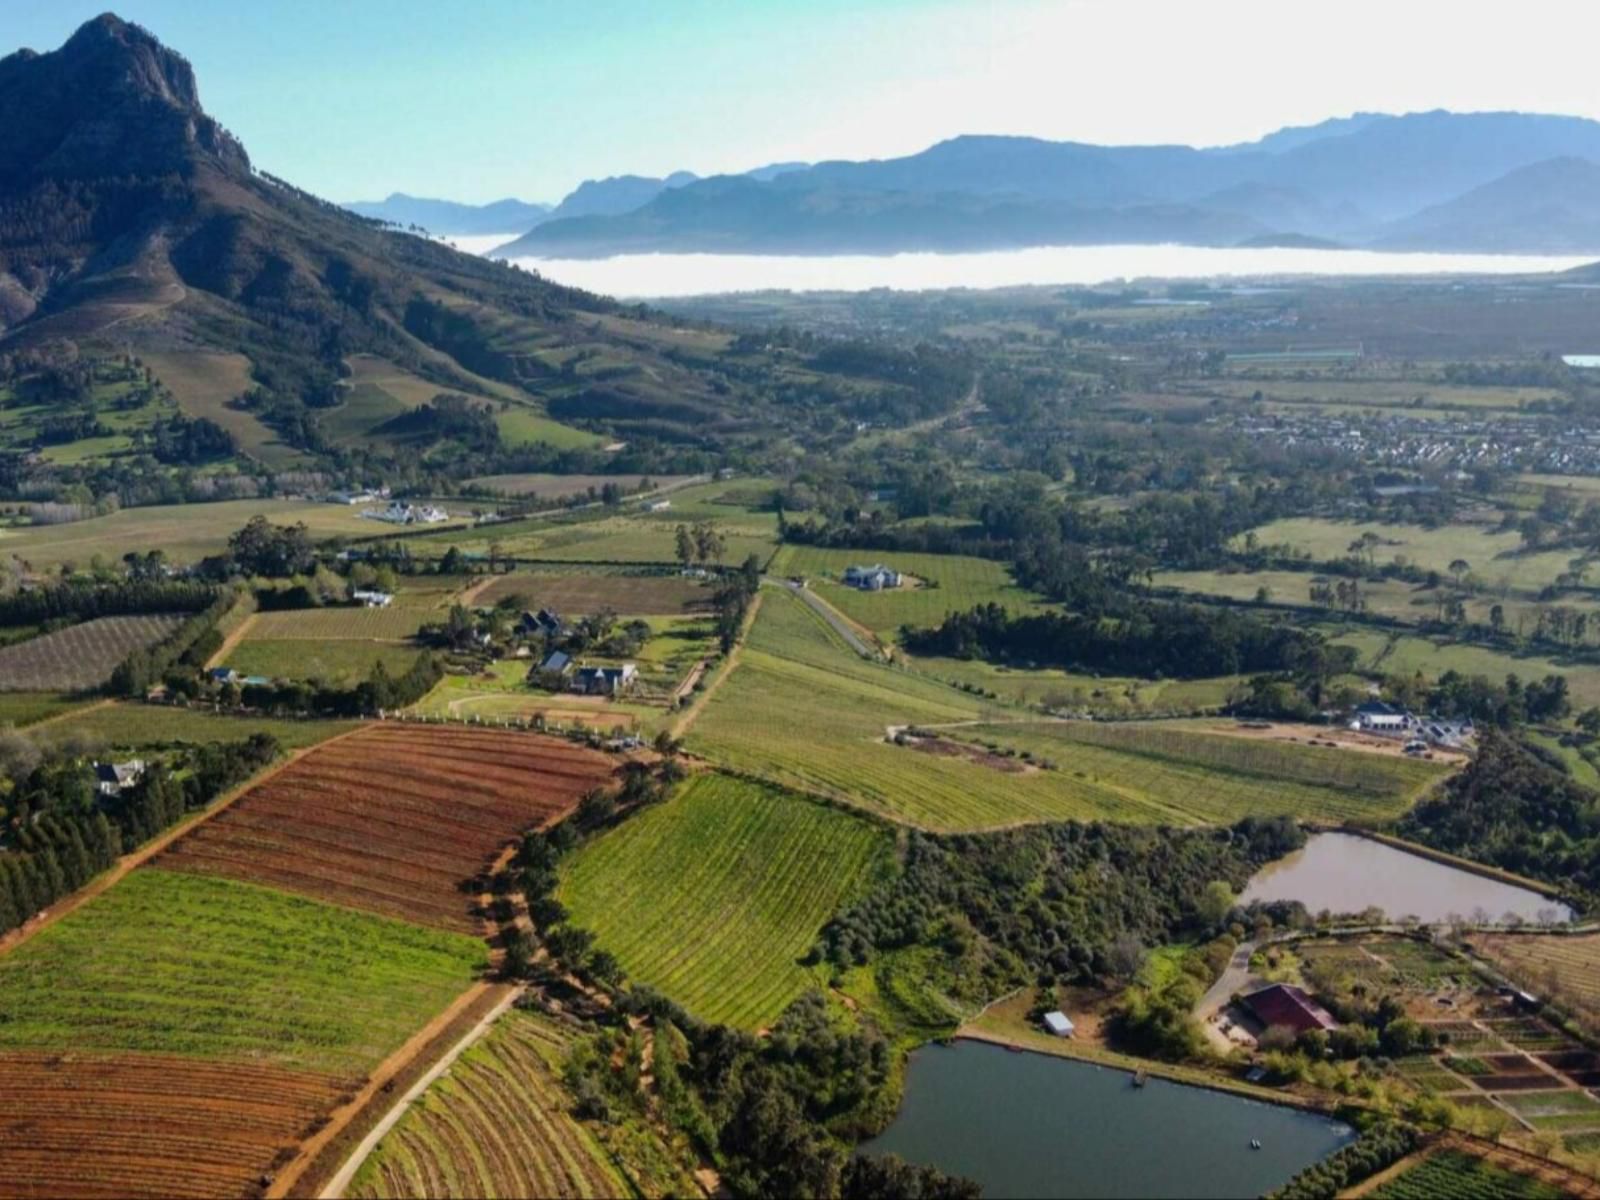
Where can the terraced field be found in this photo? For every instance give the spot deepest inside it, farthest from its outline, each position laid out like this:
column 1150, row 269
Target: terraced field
column 499, row 1124
column 395, row 819
column 713, row 897
column 943, row 584
column 176, row 963
column 802, row 710
column 150, row 1125
column 81, row 656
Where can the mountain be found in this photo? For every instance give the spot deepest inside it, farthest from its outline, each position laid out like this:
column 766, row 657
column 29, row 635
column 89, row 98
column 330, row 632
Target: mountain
column 1346, row 180
column 131, row 220
column 445, row 217
column 734, row 214
column 1551, row 207
column 615, row 195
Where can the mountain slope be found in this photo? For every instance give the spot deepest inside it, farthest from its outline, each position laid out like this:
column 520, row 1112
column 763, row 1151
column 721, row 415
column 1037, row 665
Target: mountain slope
column 130, row 219
column 1553, row 206
column 449, row 217
column 1344, row 179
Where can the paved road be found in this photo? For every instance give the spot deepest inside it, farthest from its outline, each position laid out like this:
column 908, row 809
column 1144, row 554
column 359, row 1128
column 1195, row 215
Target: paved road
column 1235, row 977
column 825, row 610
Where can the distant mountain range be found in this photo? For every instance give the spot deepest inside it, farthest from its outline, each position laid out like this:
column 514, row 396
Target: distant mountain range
column 1424, row 181
column 449, row 217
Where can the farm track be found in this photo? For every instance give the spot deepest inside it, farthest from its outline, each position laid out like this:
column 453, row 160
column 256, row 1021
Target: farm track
column 154, row 847
column 230, row 643
column 341, row 1180
column 380, row 1081
column 692, row 714
column 396, row 820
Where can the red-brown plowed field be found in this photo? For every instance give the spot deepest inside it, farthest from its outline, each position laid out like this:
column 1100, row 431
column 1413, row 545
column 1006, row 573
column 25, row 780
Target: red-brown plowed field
column 149, row 1124
column 394, row 819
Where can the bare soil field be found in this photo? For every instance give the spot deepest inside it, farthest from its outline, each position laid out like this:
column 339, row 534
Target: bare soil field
column 395, row 819
column 580, row 594
column 80, row 656
column 151, row 1124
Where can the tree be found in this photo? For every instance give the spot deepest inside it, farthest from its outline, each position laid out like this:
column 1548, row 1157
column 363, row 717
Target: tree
column 1216, row 902
column 708, row 543
column 684, row 545
column 1459, row 569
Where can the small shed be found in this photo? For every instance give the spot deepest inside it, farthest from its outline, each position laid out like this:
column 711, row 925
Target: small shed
column 1058, row 1024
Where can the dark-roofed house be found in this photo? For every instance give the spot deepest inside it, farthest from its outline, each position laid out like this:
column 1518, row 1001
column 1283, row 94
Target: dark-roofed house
column 1289, row 1006
column 554, row 671
column 544, row 623
column 111, row 778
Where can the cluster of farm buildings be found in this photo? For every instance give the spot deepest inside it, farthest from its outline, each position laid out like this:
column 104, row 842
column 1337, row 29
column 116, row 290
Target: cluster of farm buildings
column 1419, row 732
column 558, row 672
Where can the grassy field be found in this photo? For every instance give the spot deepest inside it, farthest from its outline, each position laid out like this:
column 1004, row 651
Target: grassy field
column 190, row 964
column 394, row 624
column 949, row 583
column 713, row 897
column 498, row 1124
column 1495, row 558
column 502, row 693
column 802, row 710
column 548, row 487
column 1111, row 695
column 19, row 709
column 185, row 531
column 574, row 592
column 341, row 663
column 607, row 539
column 1408, row 654
column 81, row 656
column 132, row 725
column 204, row 383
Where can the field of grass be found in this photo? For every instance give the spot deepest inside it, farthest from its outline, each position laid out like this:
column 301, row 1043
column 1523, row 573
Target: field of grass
column 1111, row 695
column 714, row 896
column 18, row 709
column 341, row 663
column 1408, row 654
column 498, row 1124
column 131, row 725
column 81, row 656
column 548, row 487
column 1382, row 393
column 185, row 531
column 501, row 692
column 393, row 624
column 952, row 584
column 169, row 962
column 203, row 384
column 607, row 539
column 574, row 592
column 800, row 709
column 1494, row 557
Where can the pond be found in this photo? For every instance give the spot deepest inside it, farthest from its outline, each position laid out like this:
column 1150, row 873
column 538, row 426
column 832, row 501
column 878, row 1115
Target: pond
column 1344, row 873
column 1025, row 1124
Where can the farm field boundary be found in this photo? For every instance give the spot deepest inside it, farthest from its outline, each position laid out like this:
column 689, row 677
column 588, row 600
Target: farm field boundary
column 150, row 849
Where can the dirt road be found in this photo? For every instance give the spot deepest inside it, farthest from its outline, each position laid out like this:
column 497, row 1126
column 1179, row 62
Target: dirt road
column 826, row 611
column 341, row 1180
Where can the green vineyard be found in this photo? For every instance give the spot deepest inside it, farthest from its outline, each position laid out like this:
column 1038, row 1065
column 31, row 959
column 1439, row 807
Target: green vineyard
column 1453, row 1175
column 497, row 1125
column 714, row 897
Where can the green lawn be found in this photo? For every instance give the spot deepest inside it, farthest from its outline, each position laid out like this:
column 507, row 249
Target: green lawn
column 1110, row 695
column 941, row 584
column 1409, row 654
column 129, row 725
column 714, row 896
column 192, row 964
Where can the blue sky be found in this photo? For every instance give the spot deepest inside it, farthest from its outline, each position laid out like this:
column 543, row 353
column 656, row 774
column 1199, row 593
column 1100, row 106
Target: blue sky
column 478, row 99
